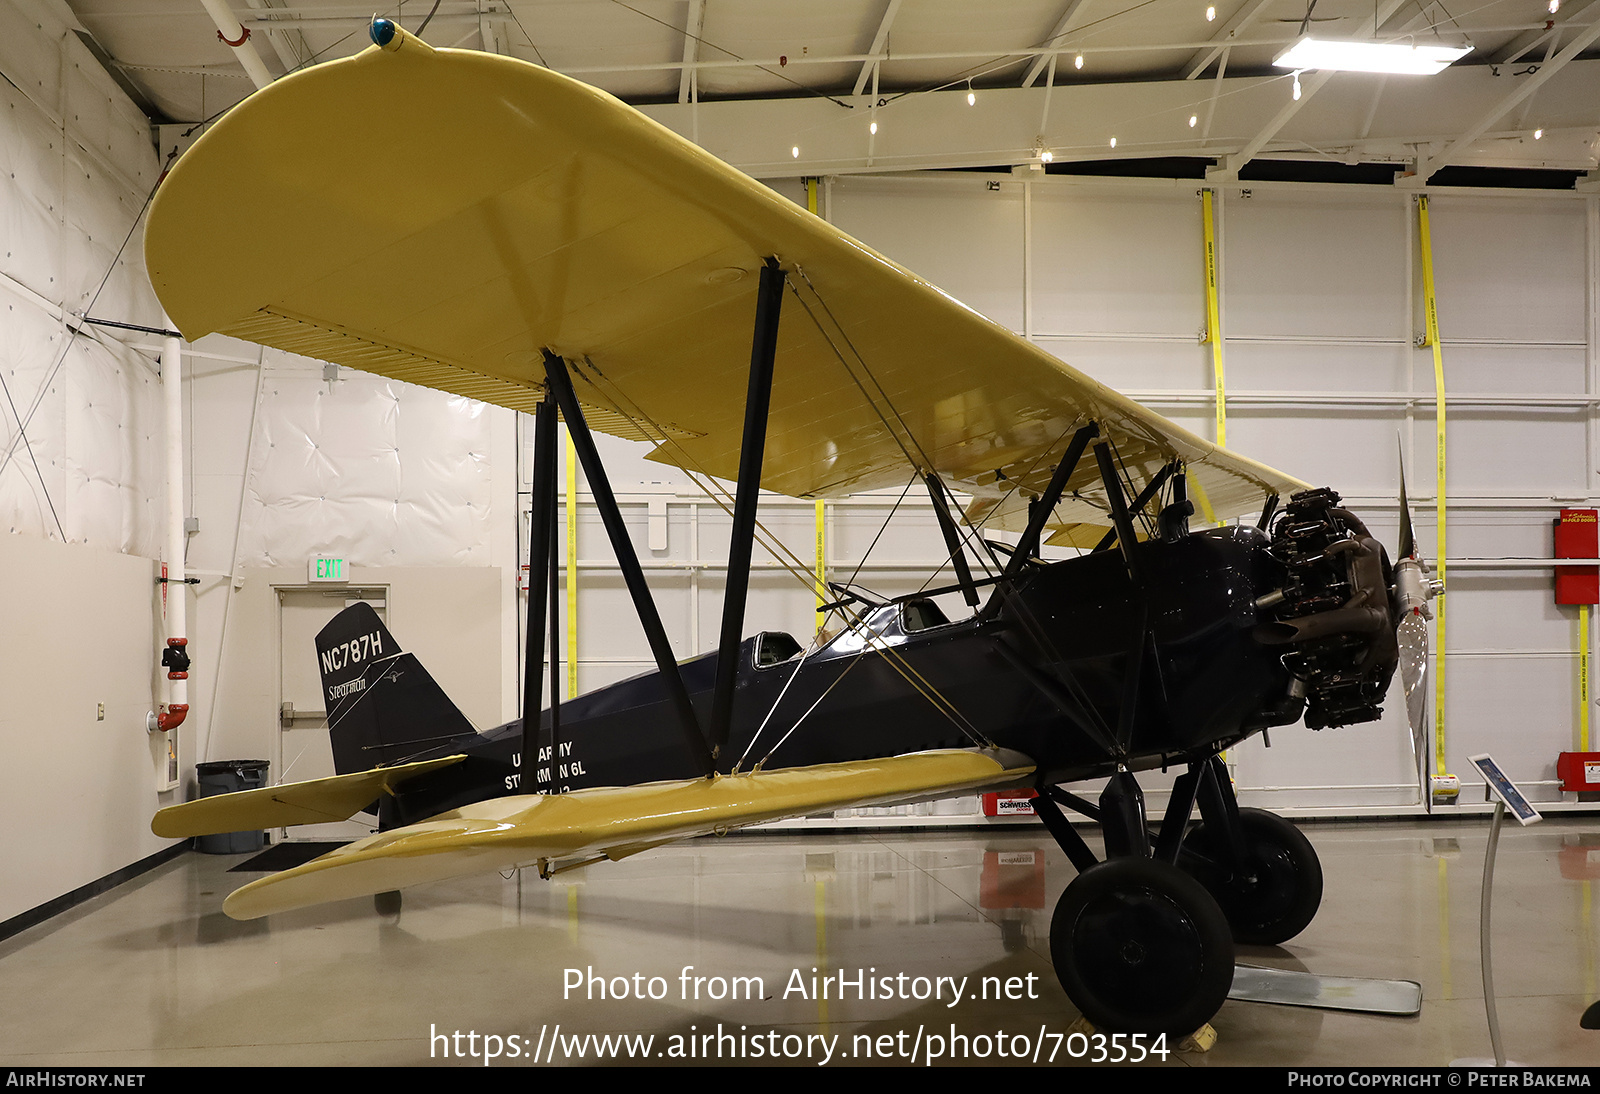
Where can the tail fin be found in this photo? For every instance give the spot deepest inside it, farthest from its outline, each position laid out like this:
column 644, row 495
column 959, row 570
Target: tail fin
column 383, row 707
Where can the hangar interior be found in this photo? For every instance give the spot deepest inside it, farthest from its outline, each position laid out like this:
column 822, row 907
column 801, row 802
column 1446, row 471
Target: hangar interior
column 1045, row 162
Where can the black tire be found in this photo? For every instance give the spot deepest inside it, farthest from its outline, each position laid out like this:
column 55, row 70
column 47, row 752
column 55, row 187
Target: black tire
column 1141, row 947
column 387, row 902
column 1276, row 894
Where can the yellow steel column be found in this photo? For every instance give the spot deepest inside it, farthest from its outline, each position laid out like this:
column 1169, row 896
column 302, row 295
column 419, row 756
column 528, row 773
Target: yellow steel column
column 1583, row 677
column 1214, row 336
column 820, row 564
column 1431, row 338
column 1214, row 316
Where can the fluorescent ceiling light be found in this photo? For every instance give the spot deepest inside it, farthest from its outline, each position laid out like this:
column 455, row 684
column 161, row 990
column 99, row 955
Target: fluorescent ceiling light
column 1399, row 57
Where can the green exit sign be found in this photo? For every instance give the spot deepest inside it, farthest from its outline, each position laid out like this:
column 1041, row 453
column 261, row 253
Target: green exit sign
column 328, row 569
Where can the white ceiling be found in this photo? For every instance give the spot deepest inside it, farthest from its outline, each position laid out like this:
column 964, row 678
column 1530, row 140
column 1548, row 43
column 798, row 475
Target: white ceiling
column 757, row 79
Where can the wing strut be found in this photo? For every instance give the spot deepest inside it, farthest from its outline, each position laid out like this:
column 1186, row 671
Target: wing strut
column 1120, row 519
column 1039, row 513
column 1139, row 503
column 952, row 538
column 541, row 532
column 1270, row 508
column 559, row 381
column 763, row 350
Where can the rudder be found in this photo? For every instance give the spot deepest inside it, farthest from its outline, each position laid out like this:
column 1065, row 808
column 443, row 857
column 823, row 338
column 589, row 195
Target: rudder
column 383, row 706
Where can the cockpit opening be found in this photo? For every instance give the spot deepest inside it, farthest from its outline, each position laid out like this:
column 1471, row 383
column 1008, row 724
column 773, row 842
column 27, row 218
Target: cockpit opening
column 775, row 647
column 922, row 615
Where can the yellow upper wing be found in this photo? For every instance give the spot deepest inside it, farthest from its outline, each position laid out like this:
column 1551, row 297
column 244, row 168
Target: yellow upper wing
column 503, row 833
column 443, row 216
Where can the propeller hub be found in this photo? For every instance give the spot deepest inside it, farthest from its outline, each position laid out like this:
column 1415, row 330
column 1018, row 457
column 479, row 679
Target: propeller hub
column 1414, row 587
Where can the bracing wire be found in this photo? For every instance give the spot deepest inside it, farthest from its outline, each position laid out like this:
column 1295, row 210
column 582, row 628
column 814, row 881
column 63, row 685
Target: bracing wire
column 712, row 45
column 924, row 465
column 773, row 751
column 892, row 657
column 968, row 531
column 24, row 420
column 66, row 347
column 756, row 736
column 884, row 527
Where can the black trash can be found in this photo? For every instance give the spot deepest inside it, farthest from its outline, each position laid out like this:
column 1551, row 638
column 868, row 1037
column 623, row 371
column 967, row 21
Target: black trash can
column 226, row 777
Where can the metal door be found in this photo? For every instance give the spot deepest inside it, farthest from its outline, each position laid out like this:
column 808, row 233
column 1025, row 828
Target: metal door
column 304, row 751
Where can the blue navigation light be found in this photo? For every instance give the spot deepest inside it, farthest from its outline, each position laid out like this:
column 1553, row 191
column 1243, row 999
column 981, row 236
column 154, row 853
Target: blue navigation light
column 382, row 31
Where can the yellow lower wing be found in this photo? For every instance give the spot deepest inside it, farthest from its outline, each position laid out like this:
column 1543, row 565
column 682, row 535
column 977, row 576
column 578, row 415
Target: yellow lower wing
column 508, row 832
column 311, row 802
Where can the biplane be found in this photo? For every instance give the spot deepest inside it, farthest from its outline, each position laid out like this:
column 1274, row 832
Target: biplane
column 493, row 229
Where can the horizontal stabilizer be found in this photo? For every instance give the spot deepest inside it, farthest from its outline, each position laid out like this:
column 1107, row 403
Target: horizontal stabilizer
column 505, row 833
column 314, row 801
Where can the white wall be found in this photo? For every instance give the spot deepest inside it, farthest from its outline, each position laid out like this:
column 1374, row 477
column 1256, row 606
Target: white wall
column 77, row 790
column 1321, row 304
column 80, row 500
column 75, row 167
column 398, row 480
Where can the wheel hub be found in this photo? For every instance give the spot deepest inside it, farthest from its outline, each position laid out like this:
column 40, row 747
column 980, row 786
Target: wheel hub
column 1274, row 893
column 1140, row 946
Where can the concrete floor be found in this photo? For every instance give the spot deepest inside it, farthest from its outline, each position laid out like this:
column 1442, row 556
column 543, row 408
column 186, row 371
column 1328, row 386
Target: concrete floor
column 154, row 974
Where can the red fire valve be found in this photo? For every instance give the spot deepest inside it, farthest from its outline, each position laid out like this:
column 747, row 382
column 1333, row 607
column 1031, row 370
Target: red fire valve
column 176, row 659
column 171, row 716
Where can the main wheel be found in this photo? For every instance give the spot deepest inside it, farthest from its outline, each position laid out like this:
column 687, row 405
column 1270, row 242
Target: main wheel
column 1276, row 893
column 1141, row 947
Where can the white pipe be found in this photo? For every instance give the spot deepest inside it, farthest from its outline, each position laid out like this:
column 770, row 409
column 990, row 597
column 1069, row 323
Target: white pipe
column 234, row 35
column 279, row 40
column 176, row 592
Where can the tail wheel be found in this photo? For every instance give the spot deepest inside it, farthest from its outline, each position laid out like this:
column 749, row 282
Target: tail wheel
column 1278, row 888
column 1141, row 947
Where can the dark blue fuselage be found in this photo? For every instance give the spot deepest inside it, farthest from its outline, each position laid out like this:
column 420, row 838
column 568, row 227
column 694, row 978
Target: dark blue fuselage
column 1073, row 666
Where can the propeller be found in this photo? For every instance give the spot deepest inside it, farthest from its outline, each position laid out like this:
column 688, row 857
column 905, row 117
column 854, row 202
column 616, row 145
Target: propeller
column 1414, row 586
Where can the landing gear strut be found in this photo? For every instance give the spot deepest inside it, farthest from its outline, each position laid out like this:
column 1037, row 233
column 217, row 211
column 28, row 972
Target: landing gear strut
column 1143, row 942
column 1273, row 892
column 1140, row 946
